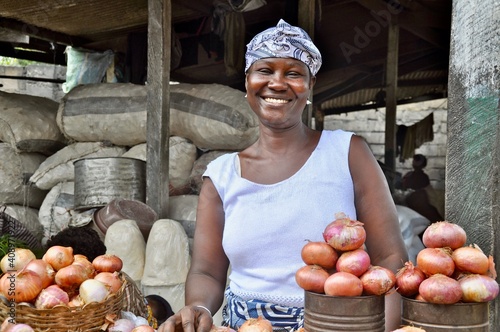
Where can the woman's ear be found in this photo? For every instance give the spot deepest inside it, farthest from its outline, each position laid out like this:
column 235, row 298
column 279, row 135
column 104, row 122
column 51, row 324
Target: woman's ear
column 312, row 81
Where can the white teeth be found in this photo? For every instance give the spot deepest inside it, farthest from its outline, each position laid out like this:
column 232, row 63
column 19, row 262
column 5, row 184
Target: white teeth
column 276, row 101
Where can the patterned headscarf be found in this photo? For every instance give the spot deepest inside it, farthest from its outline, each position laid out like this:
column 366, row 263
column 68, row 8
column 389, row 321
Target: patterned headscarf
column 284, row 41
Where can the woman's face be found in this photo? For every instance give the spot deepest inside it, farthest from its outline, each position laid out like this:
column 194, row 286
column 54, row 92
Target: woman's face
column 277, row 90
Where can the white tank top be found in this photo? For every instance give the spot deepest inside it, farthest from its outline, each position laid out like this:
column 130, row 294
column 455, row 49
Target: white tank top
column 266, row 225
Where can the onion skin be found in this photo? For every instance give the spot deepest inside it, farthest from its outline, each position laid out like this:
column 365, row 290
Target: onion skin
column 44, row 271
column 440, row 289
column 93, row 291
column 343, row 284
column 377, row 280
column 122, row 325
column 50, row 297
column 259, row 324
column 443, row 234
column 435, row 261
column 408, row 279
column 311, row 278
column 355, row 261
column 345, row 234
column 319, row 253
column 471, row 259
column 107, row 263
column 478, row 288
column 84, row 262
column 59, row 256
column 111, row 280
column 71, row 277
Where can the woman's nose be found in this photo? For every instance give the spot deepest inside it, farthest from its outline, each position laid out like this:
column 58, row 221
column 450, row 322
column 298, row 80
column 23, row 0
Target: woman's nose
column 277, row 82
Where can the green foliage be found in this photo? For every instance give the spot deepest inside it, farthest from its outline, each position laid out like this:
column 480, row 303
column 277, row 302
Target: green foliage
column 6, row 61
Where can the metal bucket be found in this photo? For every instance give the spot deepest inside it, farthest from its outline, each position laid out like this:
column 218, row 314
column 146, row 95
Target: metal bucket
column 323, row 313
column 100, row 180
column 462, row 317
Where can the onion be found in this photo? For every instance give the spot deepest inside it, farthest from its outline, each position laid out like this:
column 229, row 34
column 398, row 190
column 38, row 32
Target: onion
column 377, row 280
column 492, row 273
column 478, row 288
column 122, row 325
column 107, row 263
column 435, row 260
column 319, row 253
column 16, row 259
column 93, row 291
column 355, row 261
column 258, row 324
column 21, row 286
column 440, row 289
column 50, row 297
column 444, row 234
column 344, row 234
column 143, row 328
column 216, row 328
column 75, row 301
column 343, row 284
column 111, row 280
column 419, row 297
column 311, row 278
column 471, row 259
column 86, row 264
column 44, row 270
column 58, row 256
column 408, row 279
column 7, row 326
column 71, row 277
column 408, row 328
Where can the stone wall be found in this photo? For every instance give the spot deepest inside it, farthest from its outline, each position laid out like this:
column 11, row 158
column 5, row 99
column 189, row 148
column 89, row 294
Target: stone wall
column 371, row 125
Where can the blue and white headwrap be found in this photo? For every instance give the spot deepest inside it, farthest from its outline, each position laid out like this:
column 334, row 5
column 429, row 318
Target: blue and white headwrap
column 284, row 41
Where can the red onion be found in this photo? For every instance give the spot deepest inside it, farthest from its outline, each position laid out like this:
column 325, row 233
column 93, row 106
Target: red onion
column 345, row 234
column 444, row 234
column 440, row 289
column 50, row 297
column 311, row 278
column 122, row 325
column 435, row 260
column 471, row 259
column 408, row 279
column 377, row 280
column 343, row 284
column 319, row 253
column 355, row 261
column 478, row 288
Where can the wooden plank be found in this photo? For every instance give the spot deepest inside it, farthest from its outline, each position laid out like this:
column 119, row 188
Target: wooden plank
column 473, row 151
column 391, row 96
column 306, row 21
column 158, row 132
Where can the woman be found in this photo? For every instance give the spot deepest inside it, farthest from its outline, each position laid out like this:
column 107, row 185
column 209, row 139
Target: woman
column 257, row 207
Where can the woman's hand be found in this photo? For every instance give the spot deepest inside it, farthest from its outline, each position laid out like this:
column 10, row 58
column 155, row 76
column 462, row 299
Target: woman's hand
column 189, row 319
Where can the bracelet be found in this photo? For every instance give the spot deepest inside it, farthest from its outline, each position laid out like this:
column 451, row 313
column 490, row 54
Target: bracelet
column 203, row 307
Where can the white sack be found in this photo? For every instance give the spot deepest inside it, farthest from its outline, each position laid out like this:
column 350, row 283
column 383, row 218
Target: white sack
column 412, row 224
column 59, row 167
column 124, row 239
column 15, row 169
column 167, row 254
column 183, row 210
column 200, row 166
column 28, row 123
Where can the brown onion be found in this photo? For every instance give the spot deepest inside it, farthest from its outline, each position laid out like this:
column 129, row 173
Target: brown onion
column 435, row 260
column 71, row 277
column 319, row 253
column 143, row 328
column 58, row 256
column 408, row 328
column 478, row 288
column 20, row 286
column 258, row 324
column 440, row 289
column 345, row 234
column 86, row 264
column 107, row 263
column 377, row 280
column 408, row 279
column 112, row 280
column 44, row 270
column 50, row 297
column 443, row 234
column 471, row 259
column 311, row 278
column 16, row 259
column 343, row 284
column 354, row 261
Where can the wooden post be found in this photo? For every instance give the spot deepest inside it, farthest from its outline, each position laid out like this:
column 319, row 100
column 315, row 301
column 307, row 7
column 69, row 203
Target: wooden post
column 473, row 151
column 158, row 132
column 306, row 21
column 391, row 95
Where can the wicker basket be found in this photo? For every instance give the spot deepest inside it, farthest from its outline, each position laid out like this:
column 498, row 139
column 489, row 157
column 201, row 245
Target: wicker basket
column 90, row 317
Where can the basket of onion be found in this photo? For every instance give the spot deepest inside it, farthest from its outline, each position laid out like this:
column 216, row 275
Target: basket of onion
column 343, row 290
column 450, row 284
column 61, row 291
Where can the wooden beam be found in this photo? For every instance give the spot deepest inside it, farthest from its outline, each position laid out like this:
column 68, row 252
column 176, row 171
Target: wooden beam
column 306, row 10
column 158, row 102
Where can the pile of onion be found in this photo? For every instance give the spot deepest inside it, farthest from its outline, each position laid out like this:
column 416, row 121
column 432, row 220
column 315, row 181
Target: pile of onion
column 447, row 271
column 339, row 265
column 59, row 277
